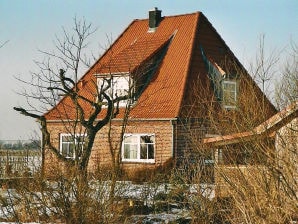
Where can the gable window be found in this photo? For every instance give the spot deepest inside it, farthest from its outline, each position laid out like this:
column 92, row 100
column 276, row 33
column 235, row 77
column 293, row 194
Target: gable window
column 120, row 85
column 229, row 94
column 138, row 148
column 225, row 89
column 69, row 144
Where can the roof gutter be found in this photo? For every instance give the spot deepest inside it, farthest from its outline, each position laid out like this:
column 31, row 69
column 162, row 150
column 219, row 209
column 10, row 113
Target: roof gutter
column 120, row 119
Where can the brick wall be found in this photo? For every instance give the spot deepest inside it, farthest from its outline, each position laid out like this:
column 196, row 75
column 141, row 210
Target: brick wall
column 189, row 135
column 101, row 156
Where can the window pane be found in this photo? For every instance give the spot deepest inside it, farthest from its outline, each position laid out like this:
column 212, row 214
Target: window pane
column 229, row 98
column 131, row 139
column 80, row 138
column 144, row 151
column 229, row 86
column 71, row 150
column 67, row 138
column 64, row 150
column 121, row 85
column 151, row 151
column 103, row 86
column 130, row 151
column 147, row 139
column 147, row 146
column 229, row 93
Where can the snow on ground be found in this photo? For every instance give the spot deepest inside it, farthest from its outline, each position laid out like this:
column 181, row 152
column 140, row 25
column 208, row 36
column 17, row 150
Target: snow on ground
column 127, row 190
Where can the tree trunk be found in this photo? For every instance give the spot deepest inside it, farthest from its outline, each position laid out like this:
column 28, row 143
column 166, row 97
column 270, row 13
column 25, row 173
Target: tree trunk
column 81, row 185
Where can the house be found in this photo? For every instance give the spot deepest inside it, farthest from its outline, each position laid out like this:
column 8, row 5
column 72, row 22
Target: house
column 269, row 148
column 178, row 71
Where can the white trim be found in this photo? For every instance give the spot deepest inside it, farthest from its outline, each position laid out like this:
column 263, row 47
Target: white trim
column 138, row 159
column 119, row 82
column 106, row 75
column 120, row 119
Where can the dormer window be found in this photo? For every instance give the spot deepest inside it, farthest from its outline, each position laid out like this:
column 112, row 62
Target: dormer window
column 229, row 94
column 224, row 85
column 115, row 86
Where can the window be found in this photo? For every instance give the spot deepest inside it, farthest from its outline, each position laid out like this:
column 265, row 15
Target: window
column 218, row 156
column 138, row 148
column 120, row 86
column 229, row 94
column 70, row 143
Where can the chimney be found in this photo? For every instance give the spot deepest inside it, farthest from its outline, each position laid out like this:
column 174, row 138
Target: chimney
column 154, row 19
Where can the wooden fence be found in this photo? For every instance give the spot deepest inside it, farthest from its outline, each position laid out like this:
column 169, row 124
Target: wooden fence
column 19, row 163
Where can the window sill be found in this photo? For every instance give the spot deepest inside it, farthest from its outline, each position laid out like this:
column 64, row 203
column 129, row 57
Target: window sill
column 230, row 107
column 138, row 161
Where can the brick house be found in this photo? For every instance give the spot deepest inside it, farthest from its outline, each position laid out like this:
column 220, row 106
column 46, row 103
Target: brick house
column 178, row 67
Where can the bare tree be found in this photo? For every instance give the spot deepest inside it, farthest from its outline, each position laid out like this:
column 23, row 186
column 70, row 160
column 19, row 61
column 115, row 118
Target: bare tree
column 265, row 66
column 57, row 83
column 2, row 44
column 254, row 177
column 58, row 76
column 287, row 88
column 257, row 172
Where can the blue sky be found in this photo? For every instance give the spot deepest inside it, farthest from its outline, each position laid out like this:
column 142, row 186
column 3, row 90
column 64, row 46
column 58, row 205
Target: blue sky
column 31, row 25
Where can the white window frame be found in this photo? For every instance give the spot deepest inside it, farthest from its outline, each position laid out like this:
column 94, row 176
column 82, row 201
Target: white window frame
column 138, row 148
column 235, row 92
column 70, row 142
column 121, row 84
column 218, row 156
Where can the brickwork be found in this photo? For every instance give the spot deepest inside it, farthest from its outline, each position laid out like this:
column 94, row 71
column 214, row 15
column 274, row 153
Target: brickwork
column 51, row 162
column 101, row 156
column 189, row 138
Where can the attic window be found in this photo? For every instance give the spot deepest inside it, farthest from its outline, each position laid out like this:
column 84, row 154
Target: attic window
column 115, row 86
column 229, row 94
column 225, row 89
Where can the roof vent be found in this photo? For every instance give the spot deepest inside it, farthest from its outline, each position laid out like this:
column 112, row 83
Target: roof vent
column 154, row 19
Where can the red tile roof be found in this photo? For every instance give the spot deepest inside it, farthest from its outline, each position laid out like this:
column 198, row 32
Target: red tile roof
column 266, row 129
column 132, row 56
column 163, row 96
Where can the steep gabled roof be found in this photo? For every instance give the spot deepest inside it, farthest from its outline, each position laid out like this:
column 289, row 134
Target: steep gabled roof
column 163, row 95
column 162, row 98
column 266, row 129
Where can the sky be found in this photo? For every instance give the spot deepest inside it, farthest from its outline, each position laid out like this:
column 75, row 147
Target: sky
column 30, row 25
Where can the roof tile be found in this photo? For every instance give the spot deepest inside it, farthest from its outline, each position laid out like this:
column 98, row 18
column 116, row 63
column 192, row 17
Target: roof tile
column 163, row 96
